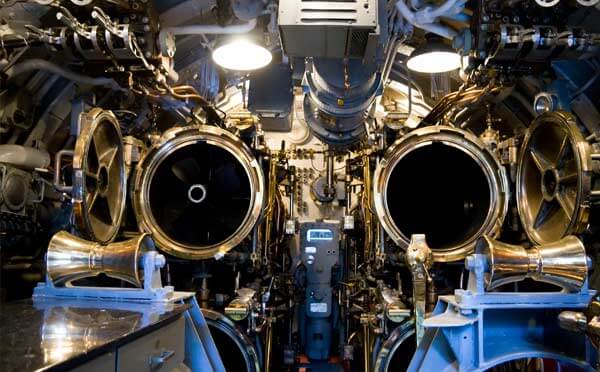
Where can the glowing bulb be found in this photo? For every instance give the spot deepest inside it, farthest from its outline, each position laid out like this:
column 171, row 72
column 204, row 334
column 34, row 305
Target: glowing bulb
column 434, row 62
column 241, row 55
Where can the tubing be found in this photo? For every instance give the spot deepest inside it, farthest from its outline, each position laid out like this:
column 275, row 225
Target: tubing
column 40, row 64
column 24, row 157
column 425, row 19
column 211, row 29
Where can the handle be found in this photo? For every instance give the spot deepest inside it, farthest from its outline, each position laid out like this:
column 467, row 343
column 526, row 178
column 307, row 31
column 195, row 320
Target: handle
column 157, row 361
column 57, row 166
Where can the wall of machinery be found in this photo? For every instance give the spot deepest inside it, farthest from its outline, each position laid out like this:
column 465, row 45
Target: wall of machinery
column 339, row 207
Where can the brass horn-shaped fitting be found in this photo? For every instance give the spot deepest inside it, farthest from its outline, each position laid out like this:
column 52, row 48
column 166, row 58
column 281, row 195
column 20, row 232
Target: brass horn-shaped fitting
column 70, row 258
column 563, row 263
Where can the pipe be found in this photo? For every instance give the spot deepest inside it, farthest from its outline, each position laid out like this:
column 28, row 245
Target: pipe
column 40, row 64
column 330, row 186
column 210, row 29
column 366, row 201
column 438, row 29
column 348, row 182
column 428, row 14
column 376, row 348
column 259, row 350
column 366, row 347
column 292, row 179
column 24, row 157
column 268, row 347
column 425, row 18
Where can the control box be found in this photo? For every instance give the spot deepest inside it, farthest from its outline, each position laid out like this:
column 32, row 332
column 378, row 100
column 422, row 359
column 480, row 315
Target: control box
column 320, row 245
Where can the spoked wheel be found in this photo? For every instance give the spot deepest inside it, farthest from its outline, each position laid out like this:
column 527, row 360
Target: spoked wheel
column 554, row 179
column 99, row 183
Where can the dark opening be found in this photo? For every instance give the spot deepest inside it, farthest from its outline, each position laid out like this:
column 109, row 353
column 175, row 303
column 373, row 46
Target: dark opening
column 102, row 179
column 223, row 209
column 230, row 352
column 550, row 182
column 402, row 356
column 439, row 191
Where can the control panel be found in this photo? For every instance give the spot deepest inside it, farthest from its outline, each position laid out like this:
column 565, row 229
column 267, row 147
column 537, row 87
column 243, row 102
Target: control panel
column 320, row 244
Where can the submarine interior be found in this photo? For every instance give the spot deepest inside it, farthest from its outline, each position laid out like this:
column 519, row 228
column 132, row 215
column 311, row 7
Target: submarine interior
column 299, row 185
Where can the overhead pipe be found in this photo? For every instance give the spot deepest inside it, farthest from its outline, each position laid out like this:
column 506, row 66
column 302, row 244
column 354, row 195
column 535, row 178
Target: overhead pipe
column 41, row 64
column 427, row 17
column 24, row 157
column 210, row 29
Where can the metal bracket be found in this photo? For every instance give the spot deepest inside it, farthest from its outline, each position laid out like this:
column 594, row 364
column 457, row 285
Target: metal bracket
column 475, row 330
column 58, row 184
column 419, row 259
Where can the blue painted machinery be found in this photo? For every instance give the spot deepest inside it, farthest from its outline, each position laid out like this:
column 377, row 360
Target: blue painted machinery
column 319, row 242
column 477, row 329
column 339, row 95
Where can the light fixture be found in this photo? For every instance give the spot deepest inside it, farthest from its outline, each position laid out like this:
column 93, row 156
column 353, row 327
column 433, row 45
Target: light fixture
column 241, row 55
column 433, row 57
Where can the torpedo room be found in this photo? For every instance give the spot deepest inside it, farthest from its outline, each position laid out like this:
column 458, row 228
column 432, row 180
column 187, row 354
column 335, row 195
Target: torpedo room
column 299, row 185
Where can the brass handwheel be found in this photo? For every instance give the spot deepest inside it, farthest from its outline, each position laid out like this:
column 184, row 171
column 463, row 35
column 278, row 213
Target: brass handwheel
column 99, row 176
column 554, row 179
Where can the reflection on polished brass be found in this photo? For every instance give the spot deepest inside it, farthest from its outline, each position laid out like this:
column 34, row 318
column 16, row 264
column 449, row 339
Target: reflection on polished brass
column 71, row 258
column 66, row 331
column 554, row 179
column 99, row 182
column 562, row 263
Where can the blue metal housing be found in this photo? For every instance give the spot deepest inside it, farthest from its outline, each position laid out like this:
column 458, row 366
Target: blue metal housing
column 475, row 330
column 338, row 96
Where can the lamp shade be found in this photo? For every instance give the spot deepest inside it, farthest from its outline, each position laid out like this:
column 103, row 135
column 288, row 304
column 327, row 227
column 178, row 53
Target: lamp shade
column 433, row 57
column 241, row 55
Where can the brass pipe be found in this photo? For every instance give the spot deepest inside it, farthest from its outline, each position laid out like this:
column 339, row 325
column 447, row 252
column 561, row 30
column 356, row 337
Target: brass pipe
column 348, row 182
column 271, row 208
column 366, row 201
column 330, row 173
column 269, row 346
column 367, row 347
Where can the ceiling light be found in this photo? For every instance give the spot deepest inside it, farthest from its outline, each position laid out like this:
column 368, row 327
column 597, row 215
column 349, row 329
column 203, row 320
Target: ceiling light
column 241, row 55
column 433, row 57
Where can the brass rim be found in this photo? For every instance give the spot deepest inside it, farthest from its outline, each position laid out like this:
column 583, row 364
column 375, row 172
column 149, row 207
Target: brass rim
column 179, row 138
column 470, row 145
